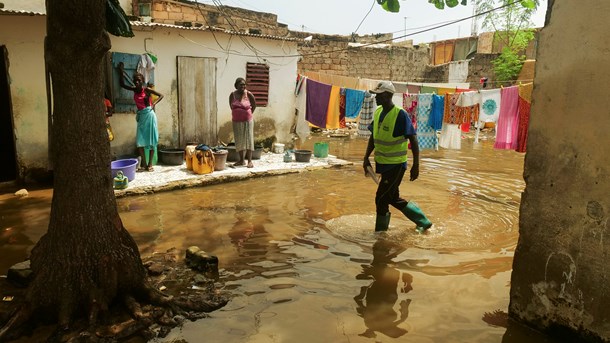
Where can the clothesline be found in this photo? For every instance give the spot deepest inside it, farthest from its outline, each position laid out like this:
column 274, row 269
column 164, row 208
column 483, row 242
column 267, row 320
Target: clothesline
column 327, row 106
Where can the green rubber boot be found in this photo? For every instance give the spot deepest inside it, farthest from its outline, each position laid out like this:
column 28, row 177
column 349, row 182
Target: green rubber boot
column 382, row 222
column 415, row 214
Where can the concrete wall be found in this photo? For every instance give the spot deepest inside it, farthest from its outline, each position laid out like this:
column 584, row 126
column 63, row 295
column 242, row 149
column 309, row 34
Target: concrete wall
column 560, row 279
column 26, row 57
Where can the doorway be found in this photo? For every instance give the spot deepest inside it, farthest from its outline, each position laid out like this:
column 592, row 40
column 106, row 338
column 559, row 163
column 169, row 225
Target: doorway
column 197, row 109
column 8, row 155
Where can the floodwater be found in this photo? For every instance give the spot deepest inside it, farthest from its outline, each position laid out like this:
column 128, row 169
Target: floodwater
column 299, row 257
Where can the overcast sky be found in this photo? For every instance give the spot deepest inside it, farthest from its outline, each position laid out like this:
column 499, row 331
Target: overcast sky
column 344, row 16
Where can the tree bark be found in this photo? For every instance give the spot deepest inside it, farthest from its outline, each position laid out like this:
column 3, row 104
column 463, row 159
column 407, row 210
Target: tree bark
column 86, row 259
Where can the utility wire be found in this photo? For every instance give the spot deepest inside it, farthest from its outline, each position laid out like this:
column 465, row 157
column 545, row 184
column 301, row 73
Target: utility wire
column 367, row 14
column 390, row 39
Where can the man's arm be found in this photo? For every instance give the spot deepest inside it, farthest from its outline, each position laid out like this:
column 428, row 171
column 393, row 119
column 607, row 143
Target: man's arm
column 369, row 150
column 415, row 150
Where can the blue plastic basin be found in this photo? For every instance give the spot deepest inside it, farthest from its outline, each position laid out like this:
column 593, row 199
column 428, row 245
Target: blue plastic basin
column 127, row 166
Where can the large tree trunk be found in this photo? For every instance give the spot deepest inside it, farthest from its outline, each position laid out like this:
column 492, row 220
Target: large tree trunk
column 87, row 258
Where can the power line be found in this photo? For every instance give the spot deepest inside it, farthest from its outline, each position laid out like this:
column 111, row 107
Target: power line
column 390, row 39
column 367, row 14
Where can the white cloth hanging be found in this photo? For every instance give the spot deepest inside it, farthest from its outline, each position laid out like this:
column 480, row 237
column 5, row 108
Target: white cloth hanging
column 145, row 67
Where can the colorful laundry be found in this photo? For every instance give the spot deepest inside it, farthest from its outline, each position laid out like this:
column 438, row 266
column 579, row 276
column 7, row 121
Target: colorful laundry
column 426, row 135
column 451, row 115
column 342, row 108
column 451, row 137
column 508, row 122
column 353, row 102
column 366, row 114
column 409, row 104
column 438, row 110
column 525, row 99
column 468, row 108
column 318, row 96
column 490, row 106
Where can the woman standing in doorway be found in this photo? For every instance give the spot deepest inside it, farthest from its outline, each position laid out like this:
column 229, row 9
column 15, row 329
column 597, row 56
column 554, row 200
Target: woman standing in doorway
column 147, row 135
column 243, row 104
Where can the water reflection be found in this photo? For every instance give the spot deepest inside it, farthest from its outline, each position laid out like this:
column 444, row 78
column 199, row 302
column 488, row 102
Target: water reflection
column 381, row 304
column 291, row 249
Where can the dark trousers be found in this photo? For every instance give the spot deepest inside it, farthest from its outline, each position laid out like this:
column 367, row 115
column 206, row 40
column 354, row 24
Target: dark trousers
column 388, row 192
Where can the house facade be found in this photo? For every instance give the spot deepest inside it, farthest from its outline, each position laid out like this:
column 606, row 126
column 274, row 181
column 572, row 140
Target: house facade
column 195, row 68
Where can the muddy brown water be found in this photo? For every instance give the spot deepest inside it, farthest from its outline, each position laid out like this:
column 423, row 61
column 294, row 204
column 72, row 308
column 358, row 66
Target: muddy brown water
column 298, row 255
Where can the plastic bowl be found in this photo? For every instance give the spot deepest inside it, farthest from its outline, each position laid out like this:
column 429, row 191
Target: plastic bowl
column 127, row 166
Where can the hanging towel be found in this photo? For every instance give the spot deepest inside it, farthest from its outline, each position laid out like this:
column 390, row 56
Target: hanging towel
column 468, row 108
column 438, row 109
column 409, row 104
column 353, row 102
column 451, row 115
column 333, row 113
column 443, row 91
column 490, row 106
column 342, row 108
column 302, row 127
column 450, row 137
column 414, row 89
column 426, row 135
column 426, row 90
column 318, row 95
column 508, row 122
column 525, row 99
column 366, row 114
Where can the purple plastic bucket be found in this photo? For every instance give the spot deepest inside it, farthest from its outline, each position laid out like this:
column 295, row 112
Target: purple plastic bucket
column 127, row 166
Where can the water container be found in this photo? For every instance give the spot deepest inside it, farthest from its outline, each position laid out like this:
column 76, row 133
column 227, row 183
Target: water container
column 320, row 149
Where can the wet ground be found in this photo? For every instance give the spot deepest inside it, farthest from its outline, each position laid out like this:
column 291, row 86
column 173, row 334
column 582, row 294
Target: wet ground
column 298, row 254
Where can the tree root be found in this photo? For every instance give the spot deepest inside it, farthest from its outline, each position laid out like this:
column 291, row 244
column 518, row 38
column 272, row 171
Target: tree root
column 146, row 312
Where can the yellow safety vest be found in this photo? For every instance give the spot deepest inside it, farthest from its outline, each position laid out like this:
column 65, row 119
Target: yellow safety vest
column 388, row 149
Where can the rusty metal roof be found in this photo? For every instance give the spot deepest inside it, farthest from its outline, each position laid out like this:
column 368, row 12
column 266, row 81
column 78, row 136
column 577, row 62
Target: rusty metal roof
column 142, row 24
column 4, row 11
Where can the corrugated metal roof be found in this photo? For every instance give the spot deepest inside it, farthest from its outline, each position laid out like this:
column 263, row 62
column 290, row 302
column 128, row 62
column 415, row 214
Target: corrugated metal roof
column 18, row 12
column 136, row 24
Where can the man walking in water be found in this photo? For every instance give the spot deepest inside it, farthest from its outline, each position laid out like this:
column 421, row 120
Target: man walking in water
column 392, row 131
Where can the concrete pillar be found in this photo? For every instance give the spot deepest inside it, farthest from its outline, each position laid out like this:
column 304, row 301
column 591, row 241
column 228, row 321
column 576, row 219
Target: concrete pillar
column 561, row 281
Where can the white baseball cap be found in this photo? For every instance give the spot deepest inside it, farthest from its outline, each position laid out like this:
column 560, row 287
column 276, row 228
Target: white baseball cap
column 384, row 86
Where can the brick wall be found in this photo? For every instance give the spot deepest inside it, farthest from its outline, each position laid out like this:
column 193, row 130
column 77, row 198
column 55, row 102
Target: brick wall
column 332, row 55
column 190, row 14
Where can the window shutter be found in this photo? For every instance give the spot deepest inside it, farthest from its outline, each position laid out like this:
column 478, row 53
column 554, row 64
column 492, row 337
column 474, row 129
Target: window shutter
column 257, row 80
column 122, row 99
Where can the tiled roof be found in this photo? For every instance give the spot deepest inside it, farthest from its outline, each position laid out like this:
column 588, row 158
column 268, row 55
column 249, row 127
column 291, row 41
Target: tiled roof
column 136, row 24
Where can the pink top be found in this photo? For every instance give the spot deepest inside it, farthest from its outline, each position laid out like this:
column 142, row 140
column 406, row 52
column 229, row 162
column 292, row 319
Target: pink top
column 142, row 99
column 241, row 109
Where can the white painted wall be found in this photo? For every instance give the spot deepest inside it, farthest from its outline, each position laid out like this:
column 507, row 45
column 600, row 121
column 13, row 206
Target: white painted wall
column 167, row 43
column 27, row 86
column 26, row 69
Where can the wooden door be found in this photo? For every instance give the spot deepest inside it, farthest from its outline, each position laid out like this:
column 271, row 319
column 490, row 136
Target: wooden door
column 197, row 109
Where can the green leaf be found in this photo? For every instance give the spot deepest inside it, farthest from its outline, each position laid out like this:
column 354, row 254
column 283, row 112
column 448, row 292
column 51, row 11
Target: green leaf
column 391, row 6
column 452, row 3
column 464, row 2
column 529, row 4
column 440, row 4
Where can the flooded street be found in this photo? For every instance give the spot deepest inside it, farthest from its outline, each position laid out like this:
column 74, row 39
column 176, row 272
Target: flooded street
column 298, row 255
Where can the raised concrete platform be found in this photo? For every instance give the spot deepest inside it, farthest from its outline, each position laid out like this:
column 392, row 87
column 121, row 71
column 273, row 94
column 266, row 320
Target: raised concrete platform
column 167, row 178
